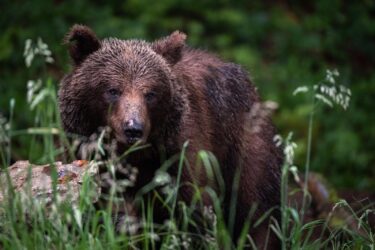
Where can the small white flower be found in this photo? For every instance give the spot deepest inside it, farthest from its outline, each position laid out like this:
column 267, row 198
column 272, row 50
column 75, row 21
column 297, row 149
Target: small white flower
column 333, row 93
column 161, row 178
column 301, row 89
column 289, row 149
column 32, row 88
column 153, row 236
column 322, row 88
column 335, row 72
column 289, row 152
column 324, row 99
column 40, row 48
column 278, row 140
column 294, row 171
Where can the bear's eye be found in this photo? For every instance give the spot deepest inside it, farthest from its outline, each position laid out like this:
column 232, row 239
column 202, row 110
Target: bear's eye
column 150, row 96
column 113, row 94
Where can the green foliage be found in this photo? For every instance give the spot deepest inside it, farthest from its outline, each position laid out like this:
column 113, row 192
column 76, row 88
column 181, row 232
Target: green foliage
column 283, row 45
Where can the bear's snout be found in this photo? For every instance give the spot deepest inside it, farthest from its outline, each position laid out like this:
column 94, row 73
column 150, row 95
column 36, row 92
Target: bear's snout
column 133, row 131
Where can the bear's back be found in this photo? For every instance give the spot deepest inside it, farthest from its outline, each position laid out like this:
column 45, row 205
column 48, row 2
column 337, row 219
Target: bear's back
column 226, row 87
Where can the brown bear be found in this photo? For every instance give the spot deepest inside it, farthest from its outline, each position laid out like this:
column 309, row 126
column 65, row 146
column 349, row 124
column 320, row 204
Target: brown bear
column 164, row 93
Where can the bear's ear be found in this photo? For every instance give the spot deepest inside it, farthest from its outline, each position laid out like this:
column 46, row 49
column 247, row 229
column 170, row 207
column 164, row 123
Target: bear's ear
column 170, row 47
column 82, row 42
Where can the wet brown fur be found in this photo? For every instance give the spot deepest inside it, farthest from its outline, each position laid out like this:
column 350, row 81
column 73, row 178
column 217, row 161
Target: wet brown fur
column 200, row 98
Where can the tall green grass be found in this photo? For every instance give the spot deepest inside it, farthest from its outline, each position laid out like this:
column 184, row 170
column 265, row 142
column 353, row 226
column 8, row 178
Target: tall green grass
column 26, row 223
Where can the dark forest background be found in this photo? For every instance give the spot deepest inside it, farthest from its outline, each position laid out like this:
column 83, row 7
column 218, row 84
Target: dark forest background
column 283, row 44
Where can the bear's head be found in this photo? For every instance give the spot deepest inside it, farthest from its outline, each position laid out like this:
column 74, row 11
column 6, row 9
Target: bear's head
column 123, row 84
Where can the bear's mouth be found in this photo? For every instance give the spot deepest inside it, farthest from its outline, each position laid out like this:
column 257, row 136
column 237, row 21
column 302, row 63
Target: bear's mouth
column 131, row 141
column 127, row 142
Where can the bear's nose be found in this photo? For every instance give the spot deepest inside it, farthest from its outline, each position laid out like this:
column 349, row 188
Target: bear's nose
column 133, row 131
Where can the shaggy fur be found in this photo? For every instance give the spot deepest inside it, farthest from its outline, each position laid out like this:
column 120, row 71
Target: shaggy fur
column 178, row 94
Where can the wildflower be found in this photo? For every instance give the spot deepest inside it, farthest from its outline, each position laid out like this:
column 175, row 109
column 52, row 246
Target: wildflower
column 32, row 88
column 161, row 178
column 174, row 242
column 186, row 241
column 294, row 171
column 278, row 140
column 301, row 89
column 129, row 224
column 289, row 150
column 328, row 92
column 40, row 48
